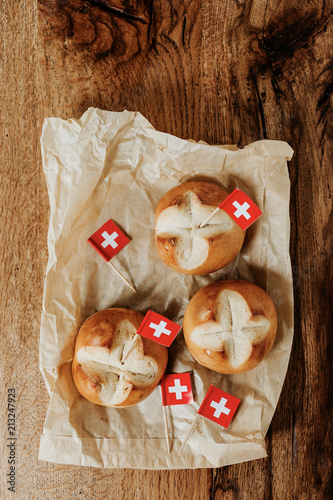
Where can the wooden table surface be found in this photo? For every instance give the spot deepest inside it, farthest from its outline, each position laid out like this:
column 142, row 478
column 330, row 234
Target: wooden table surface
column 229, row 72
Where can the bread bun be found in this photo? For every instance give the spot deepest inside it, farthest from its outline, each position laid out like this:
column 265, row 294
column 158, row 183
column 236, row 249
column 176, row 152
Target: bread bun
column 184, row 246
column 99, row 372
column 230, row 326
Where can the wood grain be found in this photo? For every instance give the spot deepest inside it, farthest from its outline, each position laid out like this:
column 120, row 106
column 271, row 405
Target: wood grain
column 221, row 71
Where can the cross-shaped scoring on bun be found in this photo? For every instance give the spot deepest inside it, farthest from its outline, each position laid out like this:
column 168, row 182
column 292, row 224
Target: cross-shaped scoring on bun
column 181, row 243
column 109, row 369
column 230, row 326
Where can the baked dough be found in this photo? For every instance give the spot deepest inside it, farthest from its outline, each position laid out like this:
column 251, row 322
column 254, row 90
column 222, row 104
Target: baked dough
column 181, row 243
column 230, row 326
column 107, row 368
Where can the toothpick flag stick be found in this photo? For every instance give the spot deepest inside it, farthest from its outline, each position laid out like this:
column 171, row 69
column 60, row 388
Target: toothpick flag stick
column 108, row 240
column 189, row 433
column 166, row 429
column 121, row 276
column 240, row 208
column 209, row 217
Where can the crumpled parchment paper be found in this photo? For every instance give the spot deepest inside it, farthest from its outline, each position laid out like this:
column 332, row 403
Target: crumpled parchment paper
column 116, row 165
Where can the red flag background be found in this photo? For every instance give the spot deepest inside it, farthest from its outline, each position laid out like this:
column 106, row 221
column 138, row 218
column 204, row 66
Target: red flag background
column 241, row 208
column 158, row 328
column 219, row 406
column 176, row 389
column 108, row 240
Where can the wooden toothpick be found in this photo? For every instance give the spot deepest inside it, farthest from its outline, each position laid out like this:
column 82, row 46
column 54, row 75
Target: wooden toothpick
column 166, row 429
column 189, row 433
column 121, row 276
column 209, row 217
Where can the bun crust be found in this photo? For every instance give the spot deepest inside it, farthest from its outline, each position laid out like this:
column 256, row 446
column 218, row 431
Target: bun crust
column 230, row 326
column 100, row 374
column 185, row 247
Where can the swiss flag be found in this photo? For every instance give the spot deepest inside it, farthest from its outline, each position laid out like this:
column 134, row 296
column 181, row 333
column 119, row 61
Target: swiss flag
column 158, row 328
column 176, row 389
column 241, row 208
column 108, row 240
column 219, row 406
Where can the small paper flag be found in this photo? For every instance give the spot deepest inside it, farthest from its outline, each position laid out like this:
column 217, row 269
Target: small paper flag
column 219, row 406
column 158, row 328
column 108, row 240
column 176, row 389
column 241, row 209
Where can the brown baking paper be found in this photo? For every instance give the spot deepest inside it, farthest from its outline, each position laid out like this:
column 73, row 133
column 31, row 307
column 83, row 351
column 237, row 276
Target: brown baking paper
column 116, row 165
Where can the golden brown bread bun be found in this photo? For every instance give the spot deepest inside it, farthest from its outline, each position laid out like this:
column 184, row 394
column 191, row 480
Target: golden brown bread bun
column 99, row 372
column 185, row 247
column 230, row 326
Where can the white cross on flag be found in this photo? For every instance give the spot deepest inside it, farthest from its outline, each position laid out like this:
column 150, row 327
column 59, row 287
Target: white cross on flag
column 158, row 328
column 176, row 389
column 219, row 406
column 108, row 240
column 241, row 209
